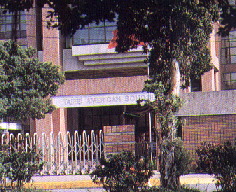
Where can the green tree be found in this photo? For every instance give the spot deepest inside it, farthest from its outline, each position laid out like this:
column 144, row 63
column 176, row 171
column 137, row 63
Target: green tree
column 19, row 164
column 15, row 5
column 176, row 34
column 219, row 161
column 25, row 83
column 73, row 15
column 123, row 172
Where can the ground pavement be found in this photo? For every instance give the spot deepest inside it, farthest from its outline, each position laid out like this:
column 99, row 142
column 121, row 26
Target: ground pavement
column 83, row 183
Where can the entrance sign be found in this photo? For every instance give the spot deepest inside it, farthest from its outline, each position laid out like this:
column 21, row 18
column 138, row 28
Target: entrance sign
column 101, row 99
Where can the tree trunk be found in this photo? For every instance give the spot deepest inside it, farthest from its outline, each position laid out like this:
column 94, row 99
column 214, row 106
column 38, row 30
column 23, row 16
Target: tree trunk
column 169, row 177
column 175, row 78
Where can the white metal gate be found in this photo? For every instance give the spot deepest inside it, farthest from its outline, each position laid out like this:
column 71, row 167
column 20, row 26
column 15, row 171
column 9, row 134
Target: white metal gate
column 64, row 154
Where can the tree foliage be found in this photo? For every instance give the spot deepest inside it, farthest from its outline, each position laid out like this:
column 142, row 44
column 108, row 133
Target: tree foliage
column 175, row 33
column 123, row 172
column 18, row 164
column 25, row 83
column 182, row 30
column 15, row 5
column 219, row 160
column 73, row 15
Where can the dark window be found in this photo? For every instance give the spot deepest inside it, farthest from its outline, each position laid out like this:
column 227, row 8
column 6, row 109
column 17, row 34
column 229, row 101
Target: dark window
column 196, row 85
column 179, row 131
column 229, row 80
column 12, row 25
column 39, row 29
column 228, row 51
column 94, row 118
column 94, row 34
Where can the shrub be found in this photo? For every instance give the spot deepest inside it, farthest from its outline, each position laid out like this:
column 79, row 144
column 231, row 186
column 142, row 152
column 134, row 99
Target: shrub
column 19, row 165
column 219, row 160
column 182, row 158
column 122, row 172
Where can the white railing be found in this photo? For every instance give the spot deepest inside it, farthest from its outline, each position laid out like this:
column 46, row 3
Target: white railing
column 63, row 154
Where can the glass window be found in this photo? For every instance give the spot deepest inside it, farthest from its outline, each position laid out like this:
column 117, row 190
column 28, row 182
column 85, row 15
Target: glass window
column 227, row 77
column 229, row 80
column 233, row 76
column 94, row 34
column 97, row 117
column 196, row 85
column 228, row 51
column 233, row 59
column 11, row 21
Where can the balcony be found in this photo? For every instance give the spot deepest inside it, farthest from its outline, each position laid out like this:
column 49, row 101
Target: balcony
column 97, row 61
column 99, row 54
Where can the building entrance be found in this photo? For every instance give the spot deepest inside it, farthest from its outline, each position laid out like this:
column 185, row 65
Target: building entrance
column 95, row 118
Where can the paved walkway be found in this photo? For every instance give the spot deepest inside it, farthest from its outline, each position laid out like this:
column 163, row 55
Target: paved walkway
column 83, row 183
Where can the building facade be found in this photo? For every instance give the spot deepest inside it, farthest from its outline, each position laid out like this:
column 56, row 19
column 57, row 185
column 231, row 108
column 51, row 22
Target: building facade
column 102, row 87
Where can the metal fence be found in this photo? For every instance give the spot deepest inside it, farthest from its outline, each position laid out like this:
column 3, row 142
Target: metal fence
column 63, row 154
column 68, row 153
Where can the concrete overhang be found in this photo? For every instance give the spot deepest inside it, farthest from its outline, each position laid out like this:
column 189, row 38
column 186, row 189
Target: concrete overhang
column 208, row 103
column 100, row 54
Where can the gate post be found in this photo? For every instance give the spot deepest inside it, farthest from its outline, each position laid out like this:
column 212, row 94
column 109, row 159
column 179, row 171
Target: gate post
column 119, row 138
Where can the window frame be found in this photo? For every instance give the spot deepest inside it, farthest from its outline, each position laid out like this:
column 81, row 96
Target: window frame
column 89, row 31
column 7, row 22
column 229, row 84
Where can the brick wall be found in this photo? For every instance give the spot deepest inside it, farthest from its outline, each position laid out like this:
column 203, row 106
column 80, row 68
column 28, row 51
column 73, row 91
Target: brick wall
column 103, row 85
column 119, row 138
column 213, row 129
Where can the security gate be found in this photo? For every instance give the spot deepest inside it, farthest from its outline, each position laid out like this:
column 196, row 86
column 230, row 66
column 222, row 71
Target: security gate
column 69, row 153
column 63, row 154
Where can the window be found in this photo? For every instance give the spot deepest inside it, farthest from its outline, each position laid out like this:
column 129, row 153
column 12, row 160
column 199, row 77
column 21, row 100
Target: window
column 228, row 52
column 229, row 80
column 196, row 85
column 95, row 118
column 12, row 25
column 232, row 2
column 94, row 34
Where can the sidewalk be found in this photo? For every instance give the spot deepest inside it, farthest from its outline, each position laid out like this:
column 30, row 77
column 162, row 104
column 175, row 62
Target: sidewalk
column 62, row 182
column 85, row 182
